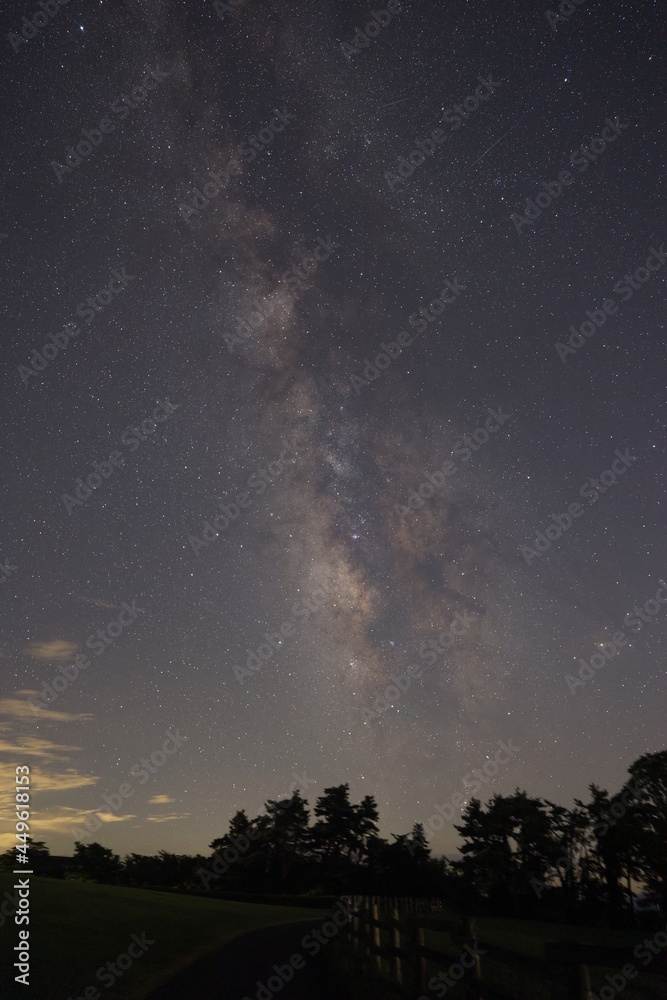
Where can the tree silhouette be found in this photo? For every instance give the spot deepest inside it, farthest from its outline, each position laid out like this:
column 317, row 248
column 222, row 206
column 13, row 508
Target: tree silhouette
column 287, row 837
column 418, row 844
column 96, row 862
column 520, row 854
column 334, row 832
column 647, row 790
column 39, row 857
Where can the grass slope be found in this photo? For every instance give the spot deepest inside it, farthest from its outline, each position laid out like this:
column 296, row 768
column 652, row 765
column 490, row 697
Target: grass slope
column 76, row 927
column 528, row 937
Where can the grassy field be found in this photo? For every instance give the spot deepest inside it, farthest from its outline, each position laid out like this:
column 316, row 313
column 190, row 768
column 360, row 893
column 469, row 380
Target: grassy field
column 528, row 937
column 77, row 927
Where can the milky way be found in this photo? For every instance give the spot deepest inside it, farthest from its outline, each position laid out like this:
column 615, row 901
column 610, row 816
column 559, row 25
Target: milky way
column 266, row 198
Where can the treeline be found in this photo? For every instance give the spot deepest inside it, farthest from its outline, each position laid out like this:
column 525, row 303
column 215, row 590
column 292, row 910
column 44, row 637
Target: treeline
column 520, row 855
column 527, row 856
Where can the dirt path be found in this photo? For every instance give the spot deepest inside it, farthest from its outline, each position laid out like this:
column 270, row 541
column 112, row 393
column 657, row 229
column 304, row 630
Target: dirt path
column 232, row 973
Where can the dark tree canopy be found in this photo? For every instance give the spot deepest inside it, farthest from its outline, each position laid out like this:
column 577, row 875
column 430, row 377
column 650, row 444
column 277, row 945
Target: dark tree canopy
column 519, row 855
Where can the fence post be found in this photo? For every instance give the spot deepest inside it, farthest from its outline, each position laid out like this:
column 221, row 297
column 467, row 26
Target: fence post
column 356, row 927
column 369, row 920
column 583, row 983
column 363, row 920
column 420, row 961
column 376, row 929
column 398, row 971
column 570, row 954
column 471, row 930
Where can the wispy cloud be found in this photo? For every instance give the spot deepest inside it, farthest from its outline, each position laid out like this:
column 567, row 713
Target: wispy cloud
column 19, row 708
column 98, row 601
column 160, row 800
column 58, row 820
column 55, row 819
column 50, row 770
column 36, row 746
column 166, row 819
column 57, row 650
column 43, row 822
column 42, row 780
column 109, row 817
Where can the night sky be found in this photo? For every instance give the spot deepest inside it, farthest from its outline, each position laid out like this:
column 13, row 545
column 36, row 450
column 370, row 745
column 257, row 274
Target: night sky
column 223, row 360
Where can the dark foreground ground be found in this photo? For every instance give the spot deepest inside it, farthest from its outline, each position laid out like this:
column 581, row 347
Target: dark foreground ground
column 232, row 973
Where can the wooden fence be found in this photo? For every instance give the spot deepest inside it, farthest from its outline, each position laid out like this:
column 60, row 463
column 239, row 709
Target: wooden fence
column 404, row 954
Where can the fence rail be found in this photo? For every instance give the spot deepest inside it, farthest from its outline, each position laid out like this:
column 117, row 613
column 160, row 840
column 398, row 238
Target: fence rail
column 405, row 955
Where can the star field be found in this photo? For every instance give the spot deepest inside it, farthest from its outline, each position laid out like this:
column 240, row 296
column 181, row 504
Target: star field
column 328, row 518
